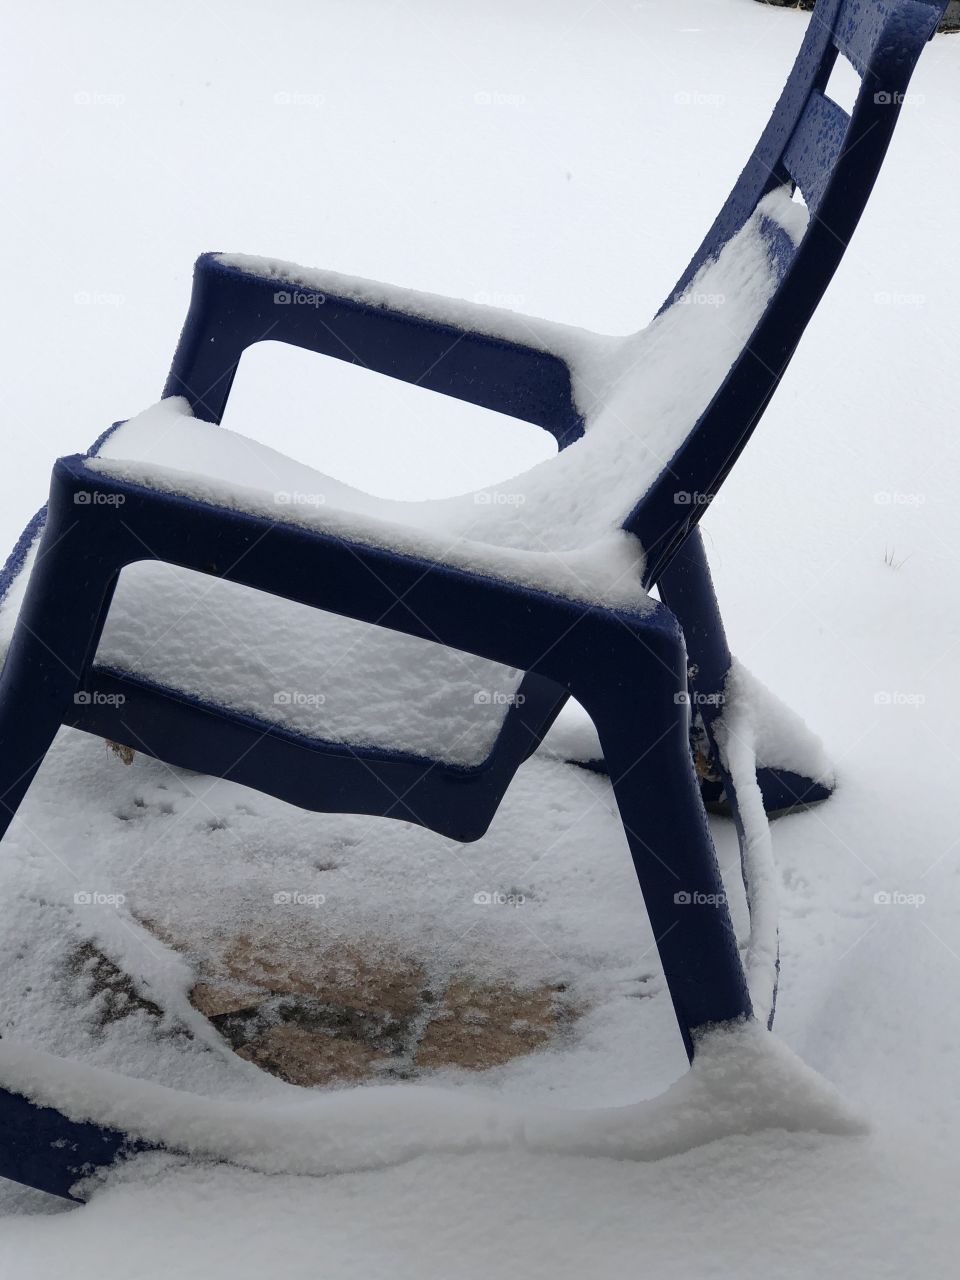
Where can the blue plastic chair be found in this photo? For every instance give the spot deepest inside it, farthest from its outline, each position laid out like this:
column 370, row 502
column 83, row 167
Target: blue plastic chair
column 631, row 670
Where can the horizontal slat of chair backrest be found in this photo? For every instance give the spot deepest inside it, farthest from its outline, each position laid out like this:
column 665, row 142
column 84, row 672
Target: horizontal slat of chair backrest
column 815, row 146
column 857, row 29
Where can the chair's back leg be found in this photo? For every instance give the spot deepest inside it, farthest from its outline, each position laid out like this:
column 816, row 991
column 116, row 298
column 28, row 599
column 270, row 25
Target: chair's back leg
column 686, row 588
column 643, row 728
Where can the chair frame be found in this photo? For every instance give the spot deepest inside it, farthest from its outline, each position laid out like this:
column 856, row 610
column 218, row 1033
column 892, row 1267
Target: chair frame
column 630, row 668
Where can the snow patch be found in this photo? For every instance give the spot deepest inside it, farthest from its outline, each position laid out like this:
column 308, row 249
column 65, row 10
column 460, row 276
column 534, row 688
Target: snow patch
column 742, row 1081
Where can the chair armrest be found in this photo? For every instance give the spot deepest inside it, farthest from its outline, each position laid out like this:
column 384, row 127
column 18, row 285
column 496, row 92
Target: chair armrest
column 491, row 358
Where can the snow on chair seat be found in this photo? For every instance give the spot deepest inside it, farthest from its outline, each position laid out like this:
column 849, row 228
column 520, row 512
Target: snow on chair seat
column 555, row 587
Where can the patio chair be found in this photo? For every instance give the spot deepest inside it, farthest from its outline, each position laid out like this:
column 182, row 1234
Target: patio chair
column 185, row 585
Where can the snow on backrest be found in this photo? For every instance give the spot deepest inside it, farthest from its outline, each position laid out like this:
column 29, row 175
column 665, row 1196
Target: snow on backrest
column 642, row 396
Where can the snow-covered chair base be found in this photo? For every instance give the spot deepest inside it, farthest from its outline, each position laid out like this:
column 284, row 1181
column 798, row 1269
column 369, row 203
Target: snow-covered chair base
column 194, row 595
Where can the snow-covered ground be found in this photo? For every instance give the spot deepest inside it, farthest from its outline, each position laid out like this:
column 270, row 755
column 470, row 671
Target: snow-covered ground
column 562, row 160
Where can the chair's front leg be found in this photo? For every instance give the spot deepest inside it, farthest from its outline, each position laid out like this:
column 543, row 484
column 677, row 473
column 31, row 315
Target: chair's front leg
column 642, row 722
column 56, row 634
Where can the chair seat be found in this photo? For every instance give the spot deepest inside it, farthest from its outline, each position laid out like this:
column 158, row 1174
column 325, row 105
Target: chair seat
column 314, row 673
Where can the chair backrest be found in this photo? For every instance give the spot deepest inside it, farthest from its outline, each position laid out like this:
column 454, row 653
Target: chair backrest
column 832, row 159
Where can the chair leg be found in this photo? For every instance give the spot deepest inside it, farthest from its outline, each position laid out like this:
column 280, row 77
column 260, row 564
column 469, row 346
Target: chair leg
column 55, row 637
column 644, row 732
column 686, row 588
column 42, row 1148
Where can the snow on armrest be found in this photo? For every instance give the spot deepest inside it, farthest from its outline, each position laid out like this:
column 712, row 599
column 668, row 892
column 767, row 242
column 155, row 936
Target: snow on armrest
column 566, row 342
